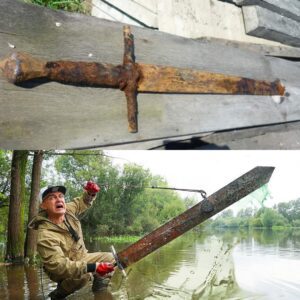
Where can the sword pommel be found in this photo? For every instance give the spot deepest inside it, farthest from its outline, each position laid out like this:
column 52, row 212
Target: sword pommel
column 18, row 67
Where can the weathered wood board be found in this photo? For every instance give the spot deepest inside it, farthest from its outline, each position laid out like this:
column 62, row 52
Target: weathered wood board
column 276, row 137
column 290, row 8
column 263, row 23
column 285, row 136
column 57, row 116
column 277, row 140
column 287, row 52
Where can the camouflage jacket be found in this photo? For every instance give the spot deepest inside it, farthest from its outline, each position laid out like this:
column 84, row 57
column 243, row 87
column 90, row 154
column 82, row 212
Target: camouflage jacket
column 61, row 255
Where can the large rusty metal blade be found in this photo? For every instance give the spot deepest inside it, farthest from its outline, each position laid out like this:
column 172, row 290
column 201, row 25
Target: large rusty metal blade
column 220, row 200
column 162, row 79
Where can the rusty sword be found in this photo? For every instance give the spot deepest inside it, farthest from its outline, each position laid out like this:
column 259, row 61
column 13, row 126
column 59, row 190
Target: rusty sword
column 133, row 78
column 226, row 196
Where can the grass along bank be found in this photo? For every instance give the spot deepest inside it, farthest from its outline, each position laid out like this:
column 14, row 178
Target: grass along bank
column 120, row 239
column 80, row 6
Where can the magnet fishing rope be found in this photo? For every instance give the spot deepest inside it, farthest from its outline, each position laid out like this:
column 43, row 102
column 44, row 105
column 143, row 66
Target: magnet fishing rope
column 202, row 192
column 41, row 278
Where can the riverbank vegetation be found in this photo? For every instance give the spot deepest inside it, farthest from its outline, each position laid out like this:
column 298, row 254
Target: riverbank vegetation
column 119, row 239
column 283, row 215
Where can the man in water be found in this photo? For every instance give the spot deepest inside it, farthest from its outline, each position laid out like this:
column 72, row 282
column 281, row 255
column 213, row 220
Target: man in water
column 60, row 243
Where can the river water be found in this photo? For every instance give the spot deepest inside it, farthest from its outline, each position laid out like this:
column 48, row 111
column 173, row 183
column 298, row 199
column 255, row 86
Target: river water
column 218, row 265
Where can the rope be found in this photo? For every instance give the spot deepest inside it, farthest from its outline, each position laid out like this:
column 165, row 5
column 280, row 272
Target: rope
column 202, row 192
column 41, row 278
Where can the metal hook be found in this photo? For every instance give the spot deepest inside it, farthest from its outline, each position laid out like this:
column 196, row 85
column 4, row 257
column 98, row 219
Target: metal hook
column 206, row 206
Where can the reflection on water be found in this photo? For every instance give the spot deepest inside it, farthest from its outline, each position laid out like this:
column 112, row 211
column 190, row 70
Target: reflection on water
column 269, row 265
column 218, row 265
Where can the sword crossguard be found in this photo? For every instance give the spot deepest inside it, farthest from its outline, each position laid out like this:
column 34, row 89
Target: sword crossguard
column 129, row 79
column 118, row 263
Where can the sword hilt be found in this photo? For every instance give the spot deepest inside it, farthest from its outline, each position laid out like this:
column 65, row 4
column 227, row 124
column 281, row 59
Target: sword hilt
column 118, row 263
column 19, row 67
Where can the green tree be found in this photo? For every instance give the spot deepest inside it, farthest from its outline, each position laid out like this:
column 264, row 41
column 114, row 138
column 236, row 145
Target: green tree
column 156, row 207
column 15, row 232
column 285, row 209
column 256, row 222
column 69, row 5
column 290, row 210
column 31, row 235
column 132, row 181
column 5, row 166
column 296, row 223
column 227, row 213
column 74, row 170
column 125, row 205
column 271, row 218
column 190, row 201
column 245, row 213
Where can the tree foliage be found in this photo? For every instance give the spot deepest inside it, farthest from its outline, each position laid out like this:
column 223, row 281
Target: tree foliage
column 68, row 5
column 283, row 215
column 125, row 205
column 290, row 210
column 5, row 164
column 16, row 218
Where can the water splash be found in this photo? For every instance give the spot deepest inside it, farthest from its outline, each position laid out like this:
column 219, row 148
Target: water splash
column 208, row 272
column 220, row 277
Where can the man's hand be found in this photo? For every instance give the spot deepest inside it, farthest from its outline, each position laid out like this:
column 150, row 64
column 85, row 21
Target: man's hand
column 104, row 268
column 92, row 188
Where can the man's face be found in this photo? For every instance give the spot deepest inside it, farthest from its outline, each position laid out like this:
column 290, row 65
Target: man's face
column 54, row 204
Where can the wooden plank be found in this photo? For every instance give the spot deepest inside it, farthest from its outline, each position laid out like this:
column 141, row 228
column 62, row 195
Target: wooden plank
column 56, row 116
column 263, row 23
column 289, row 9
column 278, row 137
column 272, row 137
column 269, row 50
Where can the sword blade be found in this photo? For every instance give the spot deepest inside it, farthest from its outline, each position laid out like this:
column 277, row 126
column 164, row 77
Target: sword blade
column 221, row 199
column 162, row 79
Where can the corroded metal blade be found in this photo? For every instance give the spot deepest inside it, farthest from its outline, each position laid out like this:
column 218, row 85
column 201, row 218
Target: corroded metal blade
column 220, row 200
column 162, row 79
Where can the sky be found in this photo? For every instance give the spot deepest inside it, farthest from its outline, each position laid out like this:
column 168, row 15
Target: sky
column 211, row 170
